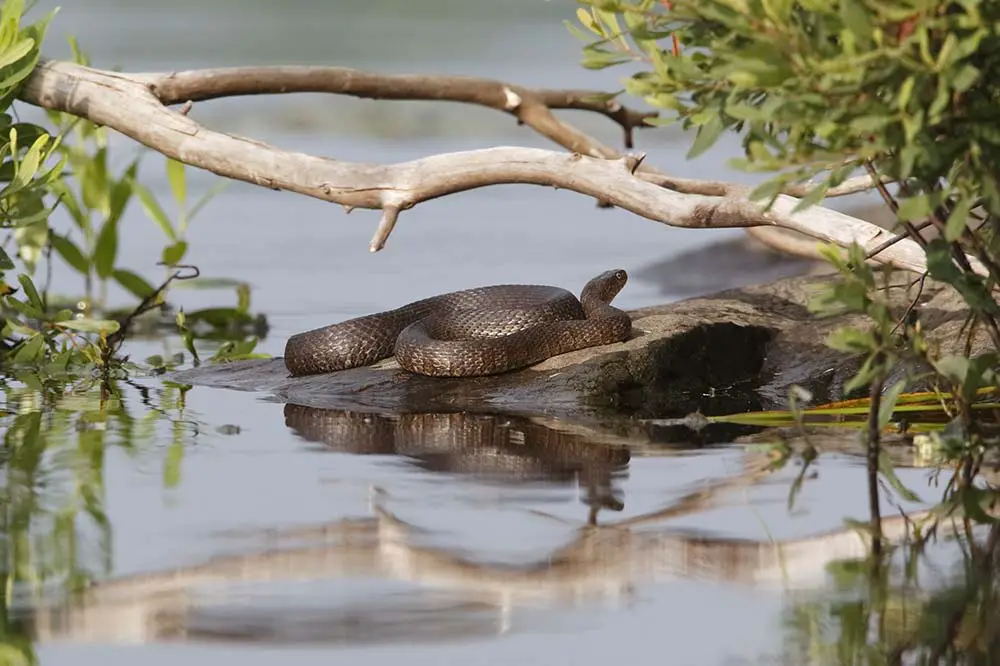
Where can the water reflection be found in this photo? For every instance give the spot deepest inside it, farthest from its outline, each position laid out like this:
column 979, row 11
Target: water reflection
column 58, row 428
column 498, row 447
column 438, row 593
column 380, row 578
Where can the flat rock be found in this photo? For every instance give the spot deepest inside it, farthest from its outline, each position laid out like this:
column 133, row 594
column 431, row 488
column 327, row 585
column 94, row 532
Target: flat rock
column 737, row 350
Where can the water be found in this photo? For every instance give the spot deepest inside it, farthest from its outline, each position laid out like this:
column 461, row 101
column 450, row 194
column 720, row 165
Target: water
column 428, row 553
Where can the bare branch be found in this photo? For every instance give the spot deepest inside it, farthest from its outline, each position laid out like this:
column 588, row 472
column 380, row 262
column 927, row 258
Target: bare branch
column 206, row 84
column 389, row 216
column 715, row 188
column 531, row 107
column 126, row 104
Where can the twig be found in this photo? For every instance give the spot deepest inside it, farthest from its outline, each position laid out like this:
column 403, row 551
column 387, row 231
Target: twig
column 151, row 300
column 913, row 303
column 385, row 227
column 716, row 188
column 898, row 237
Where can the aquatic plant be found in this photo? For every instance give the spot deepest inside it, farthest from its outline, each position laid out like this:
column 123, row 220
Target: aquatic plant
column 66, row 167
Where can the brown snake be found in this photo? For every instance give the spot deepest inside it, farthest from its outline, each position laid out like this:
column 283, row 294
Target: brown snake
column 474, row 332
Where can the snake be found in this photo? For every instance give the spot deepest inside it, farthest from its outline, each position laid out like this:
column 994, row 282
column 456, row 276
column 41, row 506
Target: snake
column 473, row 332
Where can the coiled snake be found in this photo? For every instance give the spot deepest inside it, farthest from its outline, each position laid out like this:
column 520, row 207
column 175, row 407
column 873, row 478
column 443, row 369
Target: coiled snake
column 474, row 332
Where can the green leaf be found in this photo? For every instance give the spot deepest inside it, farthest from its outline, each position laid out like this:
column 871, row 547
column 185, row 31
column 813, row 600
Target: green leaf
column 31, row 350
column 209, row 283
column 70, row 253
column 706, row 137
column 939, row 262
column 858, row 20
column 973, row 498
column 812, row 197
column 869, row 369
column 174, row 253
column 17, row 72
column 958, row 219
column 965, row 78
column 888, row 471
column 27, row 168
column 218, row 317
column 5, row 261
column 93, row 176
column 598, row 58
column 29, row 291
column 212, row 192
column 178, row 181
column 25, row 309
column 851, row 340
column 905, row 92
column 917, row 207
column 101, row 326
column 954, row 367
column 133, row 283
column 769, row 189
column 153, row 209
column 121, row 191
column 888, row 402
column 106, row 249
column 16, row 52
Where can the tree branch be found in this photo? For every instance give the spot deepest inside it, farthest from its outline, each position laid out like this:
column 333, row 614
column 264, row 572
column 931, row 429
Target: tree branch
column 529, row 106
column 715, row 188
column 126, row 103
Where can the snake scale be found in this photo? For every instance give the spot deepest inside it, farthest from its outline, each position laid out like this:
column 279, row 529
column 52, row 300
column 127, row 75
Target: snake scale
column 469, row 333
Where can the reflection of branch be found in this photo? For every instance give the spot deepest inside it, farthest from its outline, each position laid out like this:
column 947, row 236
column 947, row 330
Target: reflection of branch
column 704, row 498
column 127, row 104
column 600, row 563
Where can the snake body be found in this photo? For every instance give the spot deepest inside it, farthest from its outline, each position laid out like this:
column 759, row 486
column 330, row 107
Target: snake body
column 468, row 333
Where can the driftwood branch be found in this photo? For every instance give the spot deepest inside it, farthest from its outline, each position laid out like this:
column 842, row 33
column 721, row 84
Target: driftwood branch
column 530, row 106
column 134, row 105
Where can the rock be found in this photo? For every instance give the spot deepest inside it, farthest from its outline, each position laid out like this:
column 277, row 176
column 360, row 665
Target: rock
column 734, row 351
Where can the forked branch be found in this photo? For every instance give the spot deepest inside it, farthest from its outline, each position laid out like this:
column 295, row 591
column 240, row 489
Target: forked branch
column 129, row 104
column 530, row 106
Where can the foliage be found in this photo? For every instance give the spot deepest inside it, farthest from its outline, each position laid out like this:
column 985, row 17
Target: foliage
column 822, row 87
column 904, row 91
column 70, row 169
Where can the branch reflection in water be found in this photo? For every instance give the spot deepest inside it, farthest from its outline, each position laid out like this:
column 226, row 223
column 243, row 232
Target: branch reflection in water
column 435, row 593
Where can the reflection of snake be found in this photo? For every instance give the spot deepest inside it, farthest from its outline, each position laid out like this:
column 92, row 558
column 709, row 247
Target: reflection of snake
column 499, row 447
column 467, row 333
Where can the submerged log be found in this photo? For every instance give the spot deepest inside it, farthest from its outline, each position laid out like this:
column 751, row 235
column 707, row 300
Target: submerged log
column 737, row 350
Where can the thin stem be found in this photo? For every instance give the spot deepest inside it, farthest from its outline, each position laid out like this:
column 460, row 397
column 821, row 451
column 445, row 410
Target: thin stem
column 874, row 451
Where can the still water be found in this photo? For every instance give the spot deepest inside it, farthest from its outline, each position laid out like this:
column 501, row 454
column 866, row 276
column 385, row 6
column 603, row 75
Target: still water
column 241, row 528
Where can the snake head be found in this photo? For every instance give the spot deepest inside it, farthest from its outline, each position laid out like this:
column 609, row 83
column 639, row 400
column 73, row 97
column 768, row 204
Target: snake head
column 605, row 286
